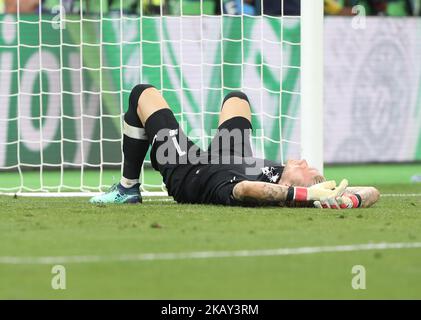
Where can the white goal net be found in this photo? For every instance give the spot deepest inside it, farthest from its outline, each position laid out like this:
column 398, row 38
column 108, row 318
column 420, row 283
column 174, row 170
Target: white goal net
column 68, row 67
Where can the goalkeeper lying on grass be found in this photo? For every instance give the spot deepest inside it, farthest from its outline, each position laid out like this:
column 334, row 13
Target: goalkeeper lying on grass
column 227, row 173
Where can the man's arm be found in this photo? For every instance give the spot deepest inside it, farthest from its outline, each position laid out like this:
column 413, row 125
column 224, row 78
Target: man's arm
column 260, row 193
column 265, row 194
column 369, row 195
column 353, row 197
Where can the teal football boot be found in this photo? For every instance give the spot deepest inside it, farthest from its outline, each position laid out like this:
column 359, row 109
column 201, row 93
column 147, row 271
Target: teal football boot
column 119, row 194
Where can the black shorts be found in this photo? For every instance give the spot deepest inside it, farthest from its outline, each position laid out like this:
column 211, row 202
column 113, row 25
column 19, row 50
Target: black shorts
column 185, row 168
column 232, row 139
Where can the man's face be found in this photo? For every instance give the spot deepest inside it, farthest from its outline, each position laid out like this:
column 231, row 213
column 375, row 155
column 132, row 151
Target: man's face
column 298, row 173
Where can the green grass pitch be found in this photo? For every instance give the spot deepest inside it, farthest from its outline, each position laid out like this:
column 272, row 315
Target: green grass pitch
column 72, row 227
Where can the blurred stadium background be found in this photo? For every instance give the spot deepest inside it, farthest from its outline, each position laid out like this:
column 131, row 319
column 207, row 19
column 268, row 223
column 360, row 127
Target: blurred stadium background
column 70, row 113
column 60, row 130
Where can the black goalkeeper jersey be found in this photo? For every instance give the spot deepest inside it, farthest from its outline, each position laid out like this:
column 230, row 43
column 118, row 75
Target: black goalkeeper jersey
column 208, row 177
column 213, row 183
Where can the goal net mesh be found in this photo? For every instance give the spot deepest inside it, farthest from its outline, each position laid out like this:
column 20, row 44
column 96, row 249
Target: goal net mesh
column 68, row 68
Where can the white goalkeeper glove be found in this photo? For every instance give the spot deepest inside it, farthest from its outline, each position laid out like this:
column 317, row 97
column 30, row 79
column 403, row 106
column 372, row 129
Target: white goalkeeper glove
column 348, row 201
column 317, row 192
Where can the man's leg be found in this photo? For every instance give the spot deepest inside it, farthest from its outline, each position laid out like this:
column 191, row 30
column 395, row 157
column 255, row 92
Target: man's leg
column 173, row 154
column 235, row 104
column 135, row 140
column 135, row 147
column 233, row 137
column 149, row 103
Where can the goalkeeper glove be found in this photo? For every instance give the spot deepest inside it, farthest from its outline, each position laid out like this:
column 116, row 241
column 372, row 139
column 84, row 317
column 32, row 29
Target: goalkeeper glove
column 317, row 192
column 349, row 201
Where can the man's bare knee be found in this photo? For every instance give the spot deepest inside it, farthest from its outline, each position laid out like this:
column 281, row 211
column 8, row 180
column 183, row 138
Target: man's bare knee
column 235, row 94
column 236, row 104
column 149, row 102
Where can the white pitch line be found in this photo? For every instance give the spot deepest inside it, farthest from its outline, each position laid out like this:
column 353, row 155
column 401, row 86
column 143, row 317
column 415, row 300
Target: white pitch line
column 144, row 194
column 71, row 194
column 401, row 195
column 159, row 200
column 206, row 254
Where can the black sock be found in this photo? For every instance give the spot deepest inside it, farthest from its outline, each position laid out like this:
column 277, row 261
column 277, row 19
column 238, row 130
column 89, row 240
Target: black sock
column 135, row 140
column 134, row 154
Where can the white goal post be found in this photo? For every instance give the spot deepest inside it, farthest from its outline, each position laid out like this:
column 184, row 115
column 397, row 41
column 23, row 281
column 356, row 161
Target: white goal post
column 66, row 77
column 312, row 65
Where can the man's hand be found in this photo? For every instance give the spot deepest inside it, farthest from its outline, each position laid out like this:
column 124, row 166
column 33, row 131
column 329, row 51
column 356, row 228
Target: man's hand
column 324, row 190
column 349, row 201
column 354, row 197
